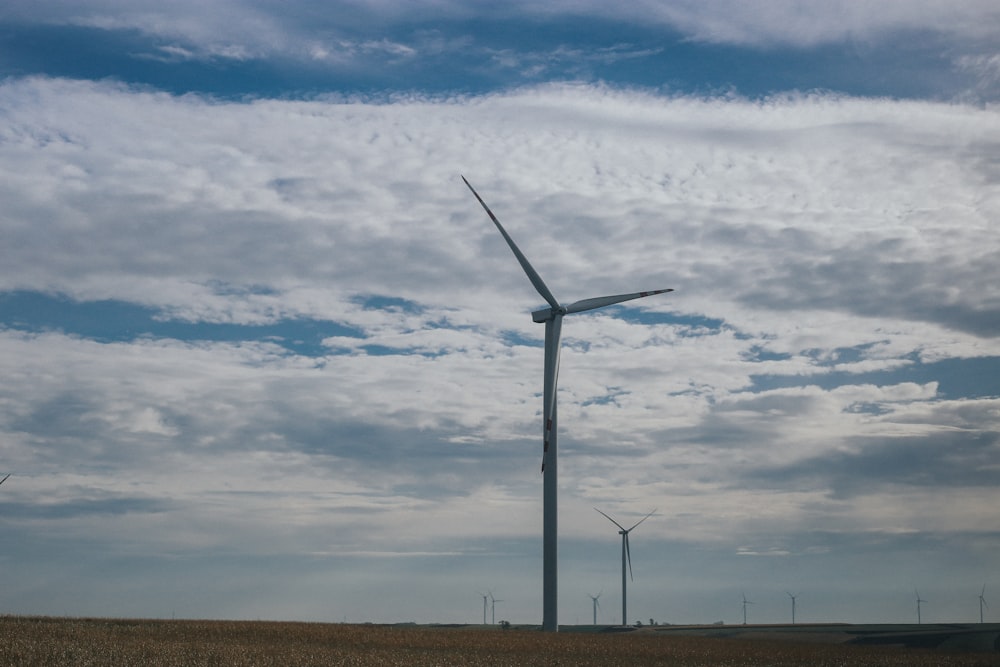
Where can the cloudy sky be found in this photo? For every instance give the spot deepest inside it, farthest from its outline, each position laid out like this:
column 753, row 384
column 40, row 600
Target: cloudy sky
column 264, row 355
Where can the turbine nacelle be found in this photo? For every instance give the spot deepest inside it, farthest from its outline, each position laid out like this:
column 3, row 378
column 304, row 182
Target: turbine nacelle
column 547, row 314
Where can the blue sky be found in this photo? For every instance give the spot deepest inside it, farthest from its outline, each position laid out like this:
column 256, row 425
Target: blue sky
column 265, row 356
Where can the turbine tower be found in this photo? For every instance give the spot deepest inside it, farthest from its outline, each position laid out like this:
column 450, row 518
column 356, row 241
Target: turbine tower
column 597, row 604
column 918, row 605
column 793, row 606
column 626, row 555
column 745, row 603
column 982, row 603
column 552, row 318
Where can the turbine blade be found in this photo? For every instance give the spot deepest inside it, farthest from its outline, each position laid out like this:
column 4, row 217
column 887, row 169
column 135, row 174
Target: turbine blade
column 609, row 518
column 533, row 276
column 8, row 475
column 553, row 334
column 601, row 301
column 628, row 557
column 641, row 520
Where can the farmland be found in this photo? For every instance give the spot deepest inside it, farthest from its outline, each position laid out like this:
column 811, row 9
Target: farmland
column 50, row 642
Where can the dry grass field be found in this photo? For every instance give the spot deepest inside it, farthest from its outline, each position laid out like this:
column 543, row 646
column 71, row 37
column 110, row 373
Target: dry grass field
column 51, row 642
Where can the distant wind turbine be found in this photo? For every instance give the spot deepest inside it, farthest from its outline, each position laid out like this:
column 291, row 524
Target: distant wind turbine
column 552, row 317
column 745, row 603
column 918, row 605
column 493, row 608
column 626, row 555
column 597, row 604
column 484, row 605
column 982, row 603
column 793, row 606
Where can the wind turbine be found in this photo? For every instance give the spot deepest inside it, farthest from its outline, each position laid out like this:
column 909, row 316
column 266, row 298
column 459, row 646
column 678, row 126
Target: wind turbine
column 493, row 608
column 793, row 606
column 745, row 603
column 597, row 604
column 484, row 605
column 918, row 605
column 626, row 554
column 982, row 603
column 552, row 318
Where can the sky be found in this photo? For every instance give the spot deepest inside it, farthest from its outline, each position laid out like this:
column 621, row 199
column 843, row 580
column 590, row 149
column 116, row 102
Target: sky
column 265, row 356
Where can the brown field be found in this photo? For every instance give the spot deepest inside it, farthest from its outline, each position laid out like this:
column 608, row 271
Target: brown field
column 47, row 642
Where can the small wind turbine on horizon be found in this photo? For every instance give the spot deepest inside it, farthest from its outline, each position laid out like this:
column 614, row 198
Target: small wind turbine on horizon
column 493, row 608
column 982, row 602
column 793, row 606
column 626, row 555
column 745, row 603
column 597, row 604
column 485, row 595
column 551, row 316
column 918, row 605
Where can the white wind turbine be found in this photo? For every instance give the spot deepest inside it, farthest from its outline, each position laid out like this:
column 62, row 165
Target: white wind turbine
column 597, row 604
column 982, row 603
column 493, row 608
column 485, row 595
column 745, row 603
column 552, row 318
column 918, row 605
column 793, row 606
column 626, row 555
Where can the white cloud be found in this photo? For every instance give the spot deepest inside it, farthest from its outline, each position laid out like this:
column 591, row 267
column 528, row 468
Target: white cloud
column 807, row 24
column 807, row 238
column 241, row 29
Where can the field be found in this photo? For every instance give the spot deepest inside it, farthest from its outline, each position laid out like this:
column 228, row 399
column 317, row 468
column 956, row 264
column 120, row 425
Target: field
column 47, row 642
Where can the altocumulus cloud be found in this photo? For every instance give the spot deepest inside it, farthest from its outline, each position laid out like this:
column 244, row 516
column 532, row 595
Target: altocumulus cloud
column 835, row 265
